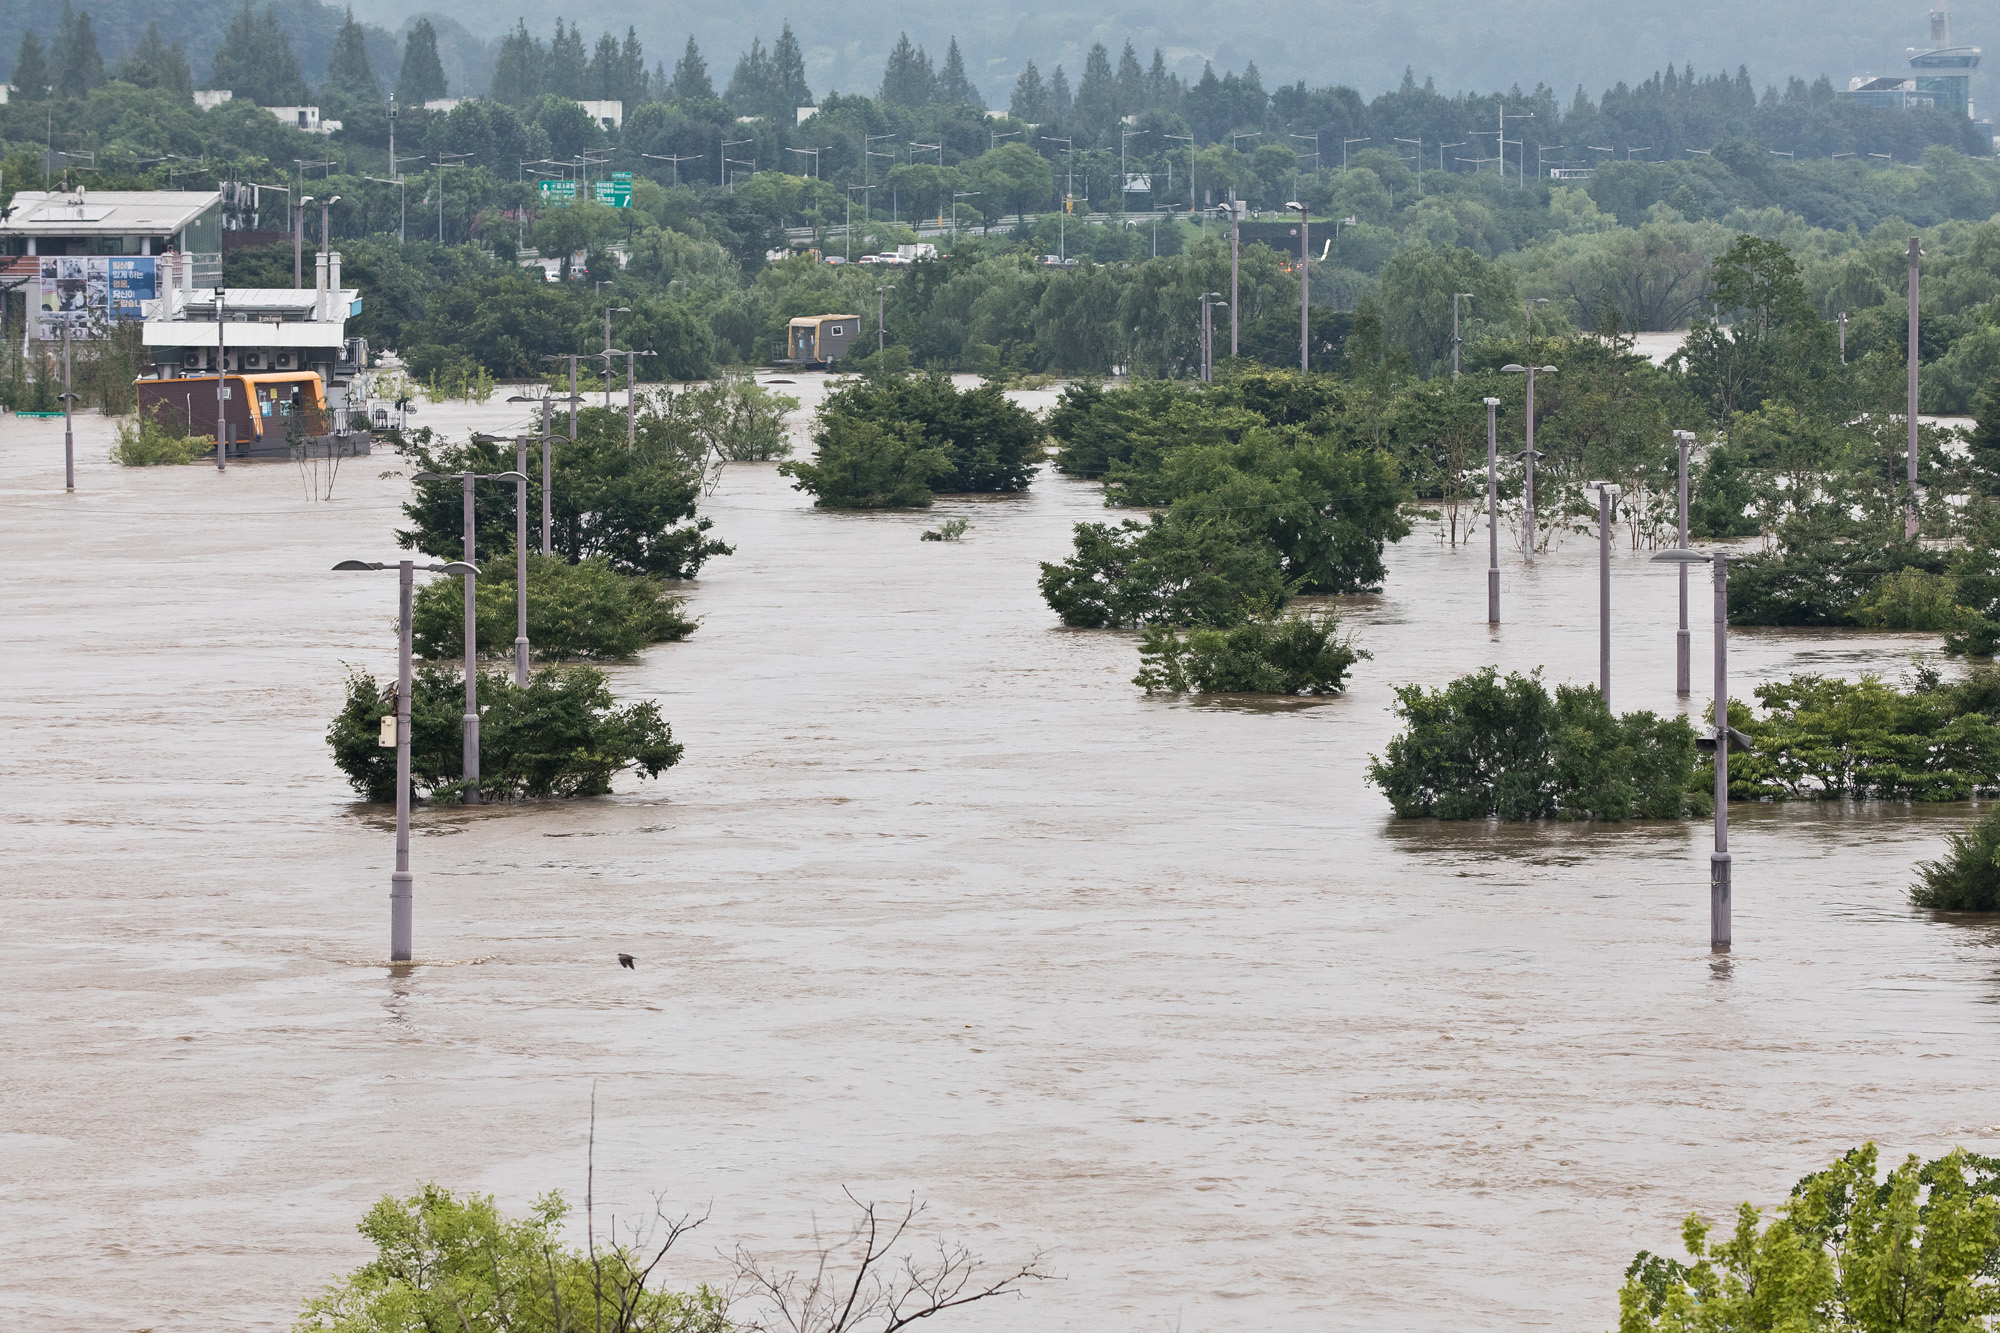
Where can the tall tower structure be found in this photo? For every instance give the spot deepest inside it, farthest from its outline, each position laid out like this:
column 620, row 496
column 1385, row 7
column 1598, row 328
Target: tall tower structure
column 1944, row 72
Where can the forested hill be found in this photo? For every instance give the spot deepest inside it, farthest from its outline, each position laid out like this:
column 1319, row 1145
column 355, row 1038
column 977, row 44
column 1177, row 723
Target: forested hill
column 1365, row 44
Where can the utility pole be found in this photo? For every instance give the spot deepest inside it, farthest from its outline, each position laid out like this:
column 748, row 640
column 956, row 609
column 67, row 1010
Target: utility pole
column 520, row 560
column 1529, row 454
column 1910, row 521
column 881, row 329
column 1842, row 321
column 608, row 312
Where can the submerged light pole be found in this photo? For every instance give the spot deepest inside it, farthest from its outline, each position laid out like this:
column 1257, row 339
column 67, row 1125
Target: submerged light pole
column 1492, row 511
column 399, row 879
column 1305, row 285
column 1607, row 496
column 1683, row 680
column 1910, row 519
column 1529, row 454
column 470, row 567
column 1720, row 742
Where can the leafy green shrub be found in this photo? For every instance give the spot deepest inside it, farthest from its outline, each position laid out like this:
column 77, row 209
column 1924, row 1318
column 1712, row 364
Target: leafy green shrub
column 1911, row 599
column 444, row 1262
column 1967, row 877
column 157, row 440
column 1821, row 582
column 890, row 441
column 1484, row 746
column 1845, row 1253
column 626, row 502
column 1170, row 570
column 1822, row 738
column 951, row 530
column 560, row 735
column 1266, row 654
column 587, row 610
column 868, row 465
column 745, row 420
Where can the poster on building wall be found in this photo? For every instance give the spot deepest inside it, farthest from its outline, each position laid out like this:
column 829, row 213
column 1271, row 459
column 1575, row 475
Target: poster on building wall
column 87, row 292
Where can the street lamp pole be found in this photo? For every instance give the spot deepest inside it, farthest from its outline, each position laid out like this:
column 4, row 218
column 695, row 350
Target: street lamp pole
column 1683, row 679
column 520, row 560
column 399, row 879
column 1607, row 495
column 1722, row 740
column 1455, row 339
column 1236, row 210
column 1305, row 285
column 1910, row 520
column 469, row 568
column 881, row 329
column 1529, row 454
column 299, row 245
column 1492, row 511
column 69, row 403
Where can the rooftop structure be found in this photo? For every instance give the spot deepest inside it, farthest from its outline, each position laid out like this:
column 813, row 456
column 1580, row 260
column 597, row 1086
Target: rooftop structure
column 1940, row 74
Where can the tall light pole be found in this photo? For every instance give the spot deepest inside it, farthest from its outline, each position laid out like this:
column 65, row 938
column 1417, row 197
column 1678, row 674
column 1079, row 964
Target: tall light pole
column 609, row 311
column 956, row 196
column 881, row 329
column 1531, row 302
column 1069, row 190
column 1209, row 300
column 1683, row 680
column 470, row 568
column 1841, row 320
column 1187, row 139
column 1529, row 455
column 221, row 392
column 1607, row 496
column 299, row 245
column 1455, row 339
column 1305, row 285
column 1236, row 210
column 325, row 208
column 400, row 879
column 1343, row 152
column 69, row 437
column 1910, row 520
column 543, row 399
column 1492, row 511
column 1719, row 743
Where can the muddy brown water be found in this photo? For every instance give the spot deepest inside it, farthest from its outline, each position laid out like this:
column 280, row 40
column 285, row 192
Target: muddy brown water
column 938, row 903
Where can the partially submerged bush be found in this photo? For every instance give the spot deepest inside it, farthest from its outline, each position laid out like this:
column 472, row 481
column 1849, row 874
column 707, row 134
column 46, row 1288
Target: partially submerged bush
column 1483, row 746
column 157, row 440
column 890, row 441
column 1822, row 738
column 1967, row 877
column 585, row 610
column 1266, row 654
column 1911, row 599
column 561, row 735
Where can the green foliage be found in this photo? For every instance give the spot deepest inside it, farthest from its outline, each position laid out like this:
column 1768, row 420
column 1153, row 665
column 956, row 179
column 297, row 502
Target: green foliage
column 560, row 735
column 1911, row 599
column 860, row 464
column 744, row 421
column 1173, row 569
column 1845, row 1254
column 951, row 530
column 1485, row 746
column 256, row 61
column 444, row 1261
column 1264, row 654
column 586, row 610
column 626, row 503
column 1826, row 739
column 152, row 441
column 1720, row 497
column 891, row 441
column 1967, row 877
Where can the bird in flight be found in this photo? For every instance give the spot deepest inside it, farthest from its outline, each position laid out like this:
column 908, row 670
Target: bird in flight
column 625, row 960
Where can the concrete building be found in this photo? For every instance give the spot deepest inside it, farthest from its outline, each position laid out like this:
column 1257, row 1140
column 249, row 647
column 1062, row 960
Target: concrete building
column 610, row 115
column 284, row 353
column 86, row 258
column 210, row 98
column 1940, row 75
column 304, row 118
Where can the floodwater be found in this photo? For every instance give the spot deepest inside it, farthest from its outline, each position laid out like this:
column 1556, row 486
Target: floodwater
column 938, row 904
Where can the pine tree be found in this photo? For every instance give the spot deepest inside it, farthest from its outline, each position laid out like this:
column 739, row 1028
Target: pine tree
column 788, row 70
column 567, row 73
column 953, row 87
column 1131, row 82
column 517, row 73
column 78, row 66
column 348, row 70
column 256, row 61
column 1059, row 98
column 1097, row 96
column 606, row 79
column 908, row 79
column 154, row 63
column 1030, row 101
column 752, row 86
column 634, row 85
column 421, row 77
column 31, row 69
column 690, row 81
column 1159, row 83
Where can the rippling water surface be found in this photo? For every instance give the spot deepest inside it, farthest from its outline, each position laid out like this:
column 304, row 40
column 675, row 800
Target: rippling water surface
column 937, row 903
